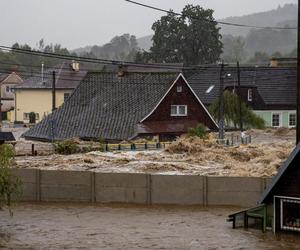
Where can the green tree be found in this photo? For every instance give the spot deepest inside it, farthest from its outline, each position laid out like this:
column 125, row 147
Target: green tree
column 192, row 38
column 234, row 49
column 9, row 184
column 260, row 58
column 232, row 112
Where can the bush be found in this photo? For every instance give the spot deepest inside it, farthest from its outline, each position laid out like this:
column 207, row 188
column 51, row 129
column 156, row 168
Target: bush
column 199, row 131
column 66, row 147
column 10, row 185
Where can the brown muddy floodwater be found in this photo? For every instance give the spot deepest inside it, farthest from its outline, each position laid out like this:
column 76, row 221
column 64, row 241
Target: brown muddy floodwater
column 81, row 226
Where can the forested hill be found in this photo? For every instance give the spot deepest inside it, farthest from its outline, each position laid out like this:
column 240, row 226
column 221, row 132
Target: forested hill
column 280, row 16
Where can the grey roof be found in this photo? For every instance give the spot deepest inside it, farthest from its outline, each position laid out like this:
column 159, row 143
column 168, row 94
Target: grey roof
column 280, row 173
column 105, row 106
column 3, row 76
column 275, row 85
column 66, row 78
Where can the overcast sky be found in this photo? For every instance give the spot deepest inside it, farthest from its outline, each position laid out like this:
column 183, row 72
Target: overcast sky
column 76, row 23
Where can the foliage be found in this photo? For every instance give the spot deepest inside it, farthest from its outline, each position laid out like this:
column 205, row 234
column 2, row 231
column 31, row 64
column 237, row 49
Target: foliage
column 191, row 38
column 260, row 58
column 199, row 131
column 66, row 147
column 29, row 65
column 234, row 49
column 122, row 47
column 232, row 112
column 10, row 185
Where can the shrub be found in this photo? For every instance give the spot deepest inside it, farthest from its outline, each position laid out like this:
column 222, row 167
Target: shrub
column 10, row 185
column 66, row 147
column 199, row 131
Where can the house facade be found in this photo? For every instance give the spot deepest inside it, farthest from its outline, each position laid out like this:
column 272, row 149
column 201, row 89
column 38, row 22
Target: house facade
column 117, row 107
column 269, row 91
column 36, row 94
column 7, row 82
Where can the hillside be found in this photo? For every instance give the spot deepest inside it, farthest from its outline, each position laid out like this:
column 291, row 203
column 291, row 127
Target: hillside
column 282, row 15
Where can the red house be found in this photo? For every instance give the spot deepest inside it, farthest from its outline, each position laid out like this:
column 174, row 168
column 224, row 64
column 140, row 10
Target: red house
column 118, row 107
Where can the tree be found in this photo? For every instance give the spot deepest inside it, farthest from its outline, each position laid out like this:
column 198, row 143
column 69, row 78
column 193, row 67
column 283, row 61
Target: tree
column 232, row 112
column 234, row 48
column 9, row 183
column 260, row 58
column 192, row 38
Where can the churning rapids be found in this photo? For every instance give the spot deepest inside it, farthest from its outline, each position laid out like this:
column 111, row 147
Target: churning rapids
column 81, row 226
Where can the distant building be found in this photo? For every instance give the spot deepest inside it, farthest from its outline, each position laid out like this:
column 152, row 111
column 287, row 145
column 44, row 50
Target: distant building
column 35, row 94
column 269, row 91
column 283, row 62
column 7, row 82
column 117, row 106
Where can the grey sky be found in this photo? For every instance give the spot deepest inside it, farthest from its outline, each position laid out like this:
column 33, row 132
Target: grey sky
column 75, row 23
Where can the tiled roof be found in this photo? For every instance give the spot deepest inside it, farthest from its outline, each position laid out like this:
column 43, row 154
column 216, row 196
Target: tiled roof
column 275, row 85
column 66, row 78
column 105, row 106
column 3, row 76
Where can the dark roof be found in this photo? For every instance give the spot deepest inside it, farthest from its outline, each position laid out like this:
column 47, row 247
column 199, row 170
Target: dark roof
column 275, row 85
column 105, row 106
column 7, row 136
column 3, row 76
column 280, row 173
column 66, row 78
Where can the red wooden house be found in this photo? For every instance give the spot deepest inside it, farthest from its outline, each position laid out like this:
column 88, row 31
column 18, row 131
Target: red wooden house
column 118, row 107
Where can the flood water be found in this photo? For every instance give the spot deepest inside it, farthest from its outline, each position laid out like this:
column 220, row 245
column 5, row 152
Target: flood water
column 81, row 226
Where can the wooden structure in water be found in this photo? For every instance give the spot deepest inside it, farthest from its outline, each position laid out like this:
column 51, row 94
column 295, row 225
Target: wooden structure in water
column 279, row 206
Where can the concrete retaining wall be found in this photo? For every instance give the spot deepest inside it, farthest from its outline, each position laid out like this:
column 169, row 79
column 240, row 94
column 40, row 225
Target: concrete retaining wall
column 77, row 186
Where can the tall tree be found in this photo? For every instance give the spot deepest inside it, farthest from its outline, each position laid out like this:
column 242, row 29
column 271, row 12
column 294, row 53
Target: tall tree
column 192, row 38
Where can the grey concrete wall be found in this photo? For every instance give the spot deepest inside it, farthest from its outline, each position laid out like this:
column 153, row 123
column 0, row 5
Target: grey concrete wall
column 180, row 189
column 79, row 186
column 128, row 188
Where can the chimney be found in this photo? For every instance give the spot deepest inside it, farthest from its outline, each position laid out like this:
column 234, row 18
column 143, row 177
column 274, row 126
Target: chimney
column 75, row 66
column 122, row 71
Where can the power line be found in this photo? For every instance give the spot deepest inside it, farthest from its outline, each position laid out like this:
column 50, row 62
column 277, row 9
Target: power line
column 211, row 21
column 88, row 59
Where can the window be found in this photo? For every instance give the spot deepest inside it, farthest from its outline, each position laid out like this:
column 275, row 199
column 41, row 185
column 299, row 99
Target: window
column 250, row 95
column 25, row 116
column 211, row 87
column 178, row 110
column 275, row 120
column 66, row 96
column 179, row 88
column 290, row 215
column 292, row 120
column 7, row 89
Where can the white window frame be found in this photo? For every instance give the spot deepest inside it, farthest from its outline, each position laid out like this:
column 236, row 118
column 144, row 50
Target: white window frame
column 177, row 110
column 280, row 119
column 287, row 200
column 179, row 89
column 250, row 95
column 292, row 126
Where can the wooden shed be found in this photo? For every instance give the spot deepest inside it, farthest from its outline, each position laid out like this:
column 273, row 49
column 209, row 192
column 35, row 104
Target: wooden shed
column 279, row 206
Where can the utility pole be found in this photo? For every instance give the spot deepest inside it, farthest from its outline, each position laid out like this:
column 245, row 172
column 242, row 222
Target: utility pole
column 240, row 93
column 221, row 107
column 53, row 92
column 298, row 79
column 0, row 109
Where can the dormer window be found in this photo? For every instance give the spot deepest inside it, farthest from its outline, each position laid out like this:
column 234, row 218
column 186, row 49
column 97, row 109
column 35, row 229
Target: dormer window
column 179, row 89
column 250, row 95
